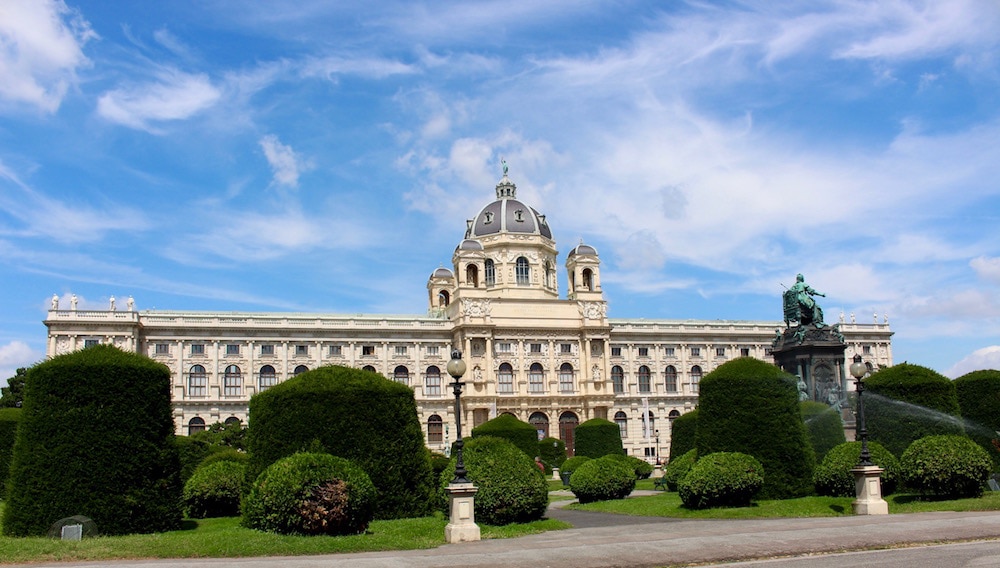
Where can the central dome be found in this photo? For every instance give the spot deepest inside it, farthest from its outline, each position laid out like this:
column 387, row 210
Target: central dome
column 507, row 215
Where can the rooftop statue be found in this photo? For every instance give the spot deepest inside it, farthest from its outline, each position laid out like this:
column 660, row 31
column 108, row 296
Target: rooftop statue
column 800, row 306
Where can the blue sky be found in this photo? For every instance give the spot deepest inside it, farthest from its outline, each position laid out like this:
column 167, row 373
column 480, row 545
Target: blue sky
column 323, row 156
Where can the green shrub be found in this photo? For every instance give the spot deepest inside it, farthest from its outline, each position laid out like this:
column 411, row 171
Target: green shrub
column 596, row 438
column 752, row 407
column 946, row 466
column 191, row 453
column 508, row 427
column 682, row 434
column 310, row 493
column 640, row 467
column 979, row 398
column 678, row 468
column 353, row 414
column 570, row 465
column 553, row 453
column 215, row 490
column 722, row 479
column 96, row 439
column 907, row 402
column 824, row 427
column 602, row 479
column 511, row 487
column 9, row 419
column 833, row 475
column 228, row 454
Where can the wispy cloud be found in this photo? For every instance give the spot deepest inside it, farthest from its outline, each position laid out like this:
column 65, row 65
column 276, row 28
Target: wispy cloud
column 173, row 95
column 285, row 163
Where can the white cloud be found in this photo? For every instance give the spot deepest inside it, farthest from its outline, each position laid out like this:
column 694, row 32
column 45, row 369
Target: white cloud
column 987, row 268
column 985, row 358
column 41, row 48
column 285, row 163
column 174, row 95
column 13, row 355
column 371, row 67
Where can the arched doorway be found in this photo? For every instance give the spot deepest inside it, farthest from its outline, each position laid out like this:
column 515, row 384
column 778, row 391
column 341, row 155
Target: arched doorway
column 568, row 422
column 541, row 423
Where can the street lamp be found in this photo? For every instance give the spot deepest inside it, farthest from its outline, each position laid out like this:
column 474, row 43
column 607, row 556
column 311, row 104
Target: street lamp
column 858, row 371
column 456, row 368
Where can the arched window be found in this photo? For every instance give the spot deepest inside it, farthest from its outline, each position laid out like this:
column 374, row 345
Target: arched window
column 548, row 275
column 401, row 375
column 444, row 298
column 541, row 423
column 369, row 368
column 267, row 377
column 196, row 425
column 435, row 430
column 472, row 275
column 670, row 374
column 491, row 272
column 505, row 378
column 618, row 379
column 621, row 419
column 232, row 381
column 432, row 381
column 300, row 369
column 522, row 270
column 643, row 378
column 695, row 378
column 233, row 420
column 588, row 279
column 536, row 378
column 197, row 381
column 672, row 416
column 566, row 378
column 649, row 425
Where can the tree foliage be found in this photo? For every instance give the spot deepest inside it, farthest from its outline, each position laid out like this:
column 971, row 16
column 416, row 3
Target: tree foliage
column 510, row 428
column 979, row 400
column 823, row 426
column 682, row 434
column 12, row 395
column 597, row 438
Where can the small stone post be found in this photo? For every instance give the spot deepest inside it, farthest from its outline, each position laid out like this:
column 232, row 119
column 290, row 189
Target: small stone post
column 868, row 489
column 461, row 525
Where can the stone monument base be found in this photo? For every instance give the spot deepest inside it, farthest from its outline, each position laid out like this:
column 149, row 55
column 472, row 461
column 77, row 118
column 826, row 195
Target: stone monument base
column 868, row 489
column 461, row 525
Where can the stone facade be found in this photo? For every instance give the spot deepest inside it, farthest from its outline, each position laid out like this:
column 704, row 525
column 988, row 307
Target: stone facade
column 549, row 360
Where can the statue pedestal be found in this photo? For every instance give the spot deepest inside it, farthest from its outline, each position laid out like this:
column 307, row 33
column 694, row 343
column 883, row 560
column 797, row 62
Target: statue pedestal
column 461, row 525
column 868, row 491
column 555, row 474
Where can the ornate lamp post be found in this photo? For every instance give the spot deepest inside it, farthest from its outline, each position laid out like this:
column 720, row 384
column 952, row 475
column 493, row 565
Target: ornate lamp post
column 867, row 482
column 462, row 525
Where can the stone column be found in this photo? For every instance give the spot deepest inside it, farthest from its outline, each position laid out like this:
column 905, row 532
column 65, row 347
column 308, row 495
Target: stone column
column 461, row 525
column 868, row 491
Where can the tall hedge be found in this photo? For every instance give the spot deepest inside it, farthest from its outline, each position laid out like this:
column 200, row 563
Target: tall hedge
column 823, row 426
column 682, row 434
column 752, row 407
column 96, row 439
column 508, row 427
column 552, row 451
column 905, row 402
column 979, row 398
column 350, row 413
column 9, row 418
column 597, row 438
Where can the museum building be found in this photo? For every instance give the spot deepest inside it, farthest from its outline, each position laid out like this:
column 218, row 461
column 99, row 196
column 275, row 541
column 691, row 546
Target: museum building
column 549, row 360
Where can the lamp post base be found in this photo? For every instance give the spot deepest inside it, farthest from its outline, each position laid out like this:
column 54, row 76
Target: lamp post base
column 868, row 491
column 461, row 525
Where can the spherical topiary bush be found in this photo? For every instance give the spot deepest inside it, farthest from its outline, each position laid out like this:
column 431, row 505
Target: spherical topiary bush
column 722, row 479
column 354, row 414
column 907, row 402
column 570, row 465
column 833, row 475
column 214, row 490
column 602, row 479
column 641, row 467
column 979, row 398
column 227, row 454
column 309, row 493
column 946, row 466
column 678, row 468
column 508, row 427
column 682, row 434
column 511, row 487
column 596, row 438
column 823, row 426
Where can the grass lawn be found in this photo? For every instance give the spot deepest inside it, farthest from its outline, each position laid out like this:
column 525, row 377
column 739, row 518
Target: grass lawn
column 219, row 538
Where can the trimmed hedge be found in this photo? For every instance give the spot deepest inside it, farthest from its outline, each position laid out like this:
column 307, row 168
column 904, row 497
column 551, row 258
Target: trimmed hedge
column 602, row 479
column 682, row 434
column 9, row 419
column 511, row 487
column 227, row 455
column 354, row 414
column 946, row 466
column 571, row 464
column 907, row 402
column 979, row 398
column 722, row 479
column 597, row 438
column 96, row 439
column 752, row 407
column 311, row 493
column 678, row 468
column 508, row 427
column 824, row 427
column 553, row 453
column 833, row 476
column 215, row 490
column 640, row 467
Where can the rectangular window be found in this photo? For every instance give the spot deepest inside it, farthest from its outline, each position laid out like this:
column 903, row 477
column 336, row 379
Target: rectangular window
column 335, row 351
column 505, row 347
column 696, row 351
column 197, row 348
column 866, row 349
column 301, row 350
column 644, row 351
column 400, row 350
column 91, row 343
column 744, row 352
column 720, row 351
column 233, row 349
column 267, row 349
column 162, row 349
column 367, row 350
column 669, row 351
column 536, row 347
column 616, row 350
column 433, row 350
column 565, row 348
